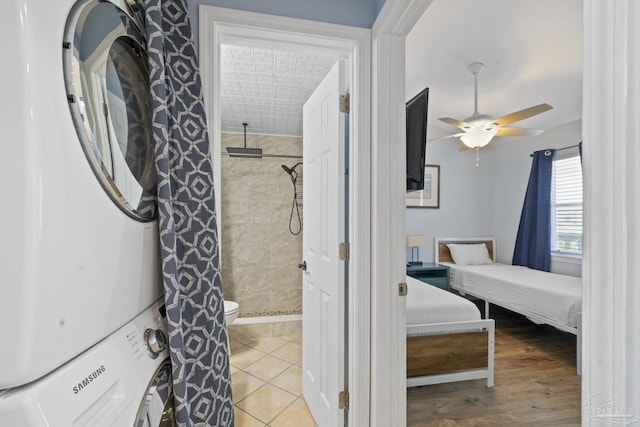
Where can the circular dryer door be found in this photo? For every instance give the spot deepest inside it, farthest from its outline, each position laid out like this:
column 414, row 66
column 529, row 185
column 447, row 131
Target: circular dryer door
column 156, row 409
column 107, row 83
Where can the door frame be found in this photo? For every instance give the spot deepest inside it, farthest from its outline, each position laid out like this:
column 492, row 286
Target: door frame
column 388, row 180
column 220, row 25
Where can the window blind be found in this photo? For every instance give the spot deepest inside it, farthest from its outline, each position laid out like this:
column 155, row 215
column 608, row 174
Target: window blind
column 566, row 206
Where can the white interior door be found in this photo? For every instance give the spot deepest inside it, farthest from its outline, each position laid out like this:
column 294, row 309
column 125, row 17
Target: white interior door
column 323, row 230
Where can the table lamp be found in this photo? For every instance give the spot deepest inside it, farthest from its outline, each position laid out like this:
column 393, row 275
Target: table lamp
column 414, row 242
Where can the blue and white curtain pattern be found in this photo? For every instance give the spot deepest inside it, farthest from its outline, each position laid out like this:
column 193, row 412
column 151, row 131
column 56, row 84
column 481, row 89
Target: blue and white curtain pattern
column 187, row 221
column 533, row 243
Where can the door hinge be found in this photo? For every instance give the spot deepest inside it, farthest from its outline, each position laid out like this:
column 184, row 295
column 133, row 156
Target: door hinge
column 343, row 399
column 345, row 103
column 402, row 289
column 344, row 251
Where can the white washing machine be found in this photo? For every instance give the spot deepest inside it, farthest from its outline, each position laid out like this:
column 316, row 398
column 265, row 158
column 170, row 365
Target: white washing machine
column 123, row 381
column 79, row 253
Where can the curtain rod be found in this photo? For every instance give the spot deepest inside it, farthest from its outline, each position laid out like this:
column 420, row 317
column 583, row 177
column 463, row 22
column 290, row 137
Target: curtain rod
column 259, row 156
column 560, row 149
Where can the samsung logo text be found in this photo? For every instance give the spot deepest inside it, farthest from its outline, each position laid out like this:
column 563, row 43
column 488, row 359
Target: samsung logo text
column 88, row 380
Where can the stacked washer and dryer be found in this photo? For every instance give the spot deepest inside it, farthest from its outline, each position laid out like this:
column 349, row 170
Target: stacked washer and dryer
column 82, row 320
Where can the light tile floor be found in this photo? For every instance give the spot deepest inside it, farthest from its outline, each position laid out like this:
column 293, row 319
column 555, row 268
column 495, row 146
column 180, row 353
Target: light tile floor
column 266, row 377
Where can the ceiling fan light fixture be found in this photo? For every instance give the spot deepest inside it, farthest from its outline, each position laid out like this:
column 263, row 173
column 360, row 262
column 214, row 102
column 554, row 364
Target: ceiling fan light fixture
column 478, row 137
column 479, row 129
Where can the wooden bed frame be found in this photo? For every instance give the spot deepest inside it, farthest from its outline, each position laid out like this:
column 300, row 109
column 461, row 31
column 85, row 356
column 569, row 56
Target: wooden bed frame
column 455, row 351
column 442, row 254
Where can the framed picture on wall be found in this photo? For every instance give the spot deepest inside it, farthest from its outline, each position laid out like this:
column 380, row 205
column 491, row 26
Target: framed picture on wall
column 430, row 196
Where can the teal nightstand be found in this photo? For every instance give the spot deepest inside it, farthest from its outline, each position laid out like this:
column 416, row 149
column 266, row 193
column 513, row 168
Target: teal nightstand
column 433, row 274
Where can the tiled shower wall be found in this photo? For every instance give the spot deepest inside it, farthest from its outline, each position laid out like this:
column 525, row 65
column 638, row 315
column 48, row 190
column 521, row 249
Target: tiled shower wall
column 260, row 257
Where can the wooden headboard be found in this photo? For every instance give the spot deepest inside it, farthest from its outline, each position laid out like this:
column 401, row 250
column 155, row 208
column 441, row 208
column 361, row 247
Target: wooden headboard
column 441, row 250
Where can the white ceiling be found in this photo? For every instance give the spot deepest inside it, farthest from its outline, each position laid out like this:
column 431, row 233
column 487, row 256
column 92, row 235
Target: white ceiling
column 532, row 51
column 267, row 88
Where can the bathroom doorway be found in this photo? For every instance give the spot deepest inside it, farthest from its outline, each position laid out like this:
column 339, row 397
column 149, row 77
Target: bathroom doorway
column 347, row 46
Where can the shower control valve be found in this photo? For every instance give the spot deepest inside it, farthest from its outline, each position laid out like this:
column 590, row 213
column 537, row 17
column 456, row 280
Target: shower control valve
column 303, row 266
column 155, row 341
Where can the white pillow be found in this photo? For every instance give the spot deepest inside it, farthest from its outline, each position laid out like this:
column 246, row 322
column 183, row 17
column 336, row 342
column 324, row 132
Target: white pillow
column 469, row 254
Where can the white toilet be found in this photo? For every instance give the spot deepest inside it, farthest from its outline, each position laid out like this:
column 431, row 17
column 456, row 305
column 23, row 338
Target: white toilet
column 231, row 310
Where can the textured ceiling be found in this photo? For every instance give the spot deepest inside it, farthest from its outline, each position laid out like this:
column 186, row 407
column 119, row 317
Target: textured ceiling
column 532, row 51
column 267, row 88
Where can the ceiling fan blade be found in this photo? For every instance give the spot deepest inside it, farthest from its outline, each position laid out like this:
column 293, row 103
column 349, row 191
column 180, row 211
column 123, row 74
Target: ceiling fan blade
column 455, row 135
column 455, row 123
column 522, row 114
column 507, row 131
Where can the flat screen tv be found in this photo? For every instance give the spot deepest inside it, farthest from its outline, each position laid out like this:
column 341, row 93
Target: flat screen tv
column 416, row 140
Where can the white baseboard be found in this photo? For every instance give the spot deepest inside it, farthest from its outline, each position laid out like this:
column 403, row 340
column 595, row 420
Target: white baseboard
column 267, row 319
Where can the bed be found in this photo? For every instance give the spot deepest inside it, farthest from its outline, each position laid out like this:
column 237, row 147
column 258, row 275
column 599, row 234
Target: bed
column 447, row 340
column 544, row 298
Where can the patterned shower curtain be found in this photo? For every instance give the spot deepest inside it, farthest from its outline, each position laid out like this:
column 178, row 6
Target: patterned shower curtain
column 187, row 221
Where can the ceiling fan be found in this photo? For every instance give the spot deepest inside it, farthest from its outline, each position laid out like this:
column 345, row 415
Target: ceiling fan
column 479, row 129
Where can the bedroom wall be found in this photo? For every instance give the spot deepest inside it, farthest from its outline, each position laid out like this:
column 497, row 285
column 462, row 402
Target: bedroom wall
column 462, row 211
column 487, row 200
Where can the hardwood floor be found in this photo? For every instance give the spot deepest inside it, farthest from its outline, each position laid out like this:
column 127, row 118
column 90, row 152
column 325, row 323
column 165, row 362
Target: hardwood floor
column 536, row 383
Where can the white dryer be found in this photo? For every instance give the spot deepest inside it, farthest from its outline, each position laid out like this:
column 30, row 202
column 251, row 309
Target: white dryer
column 79, row 250
column 123, row 381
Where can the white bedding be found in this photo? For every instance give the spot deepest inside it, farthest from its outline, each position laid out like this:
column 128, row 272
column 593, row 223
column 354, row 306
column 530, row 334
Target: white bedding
column 553, row 296
column 427, row 304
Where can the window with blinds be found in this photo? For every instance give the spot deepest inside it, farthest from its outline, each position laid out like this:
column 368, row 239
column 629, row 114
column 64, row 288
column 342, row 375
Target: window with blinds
column 566, row 206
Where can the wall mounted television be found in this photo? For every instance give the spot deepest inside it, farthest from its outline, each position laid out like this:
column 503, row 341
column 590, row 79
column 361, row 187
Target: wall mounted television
column 416, row 140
